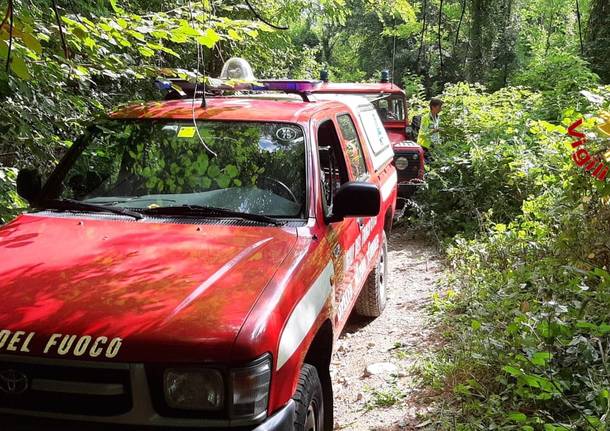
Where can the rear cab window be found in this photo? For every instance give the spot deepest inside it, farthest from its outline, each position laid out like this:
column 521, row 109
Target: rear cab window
column 353, row 146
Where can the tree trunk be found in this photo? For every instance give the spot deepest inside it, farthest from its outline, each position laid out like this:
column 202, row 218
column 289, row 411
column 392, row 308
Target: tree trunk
column 423, row 31
column 549, row 33
column 457, row 32
column 508, row 57
column 477, row 12
column 598, row 39
column 440, row 36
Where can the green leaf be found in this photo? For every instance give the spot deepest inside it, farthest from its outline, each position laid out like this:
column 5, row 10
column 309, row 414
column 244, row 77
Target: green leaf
column 223, row 181
column 31, row 42
column 3, row 49
column 231, row 171
column 475, row 325
column 515, row 372
column 136, row 35
column 500, row 227
column 115, row 7
column 186, row 29
column 541, row 358
column 178, row 37
column 160, row 34
column 517, row 417
column 89, row 42
column 604, row 328
column 146, row 51
column 206, row 182
column 209, row 38
column 213, row 171
column 233, row 35
column 19, row 67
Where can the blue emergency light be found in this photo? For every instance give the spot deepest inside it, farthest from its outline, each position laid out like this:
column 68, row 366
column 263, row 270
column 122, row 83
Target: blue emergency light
column 236, row 76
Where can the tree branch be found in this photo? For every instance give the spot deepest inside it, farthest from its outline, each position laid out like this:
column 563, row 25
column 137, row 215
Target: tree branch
column 6, row 15
column 260, row 18
column 582, row 49
column 457, row 33
column 423, row 30
column 10, row 32
column 61, row 30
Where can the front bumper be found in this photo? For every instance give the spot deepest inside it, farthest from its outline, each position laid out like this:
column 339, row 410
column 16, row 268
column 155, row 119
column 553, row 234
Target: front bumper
column 282, row 420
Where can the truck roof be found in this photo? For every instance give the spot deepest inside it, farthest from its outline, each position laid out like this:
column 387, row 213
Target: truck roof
column 242, row 108
column 365, row 88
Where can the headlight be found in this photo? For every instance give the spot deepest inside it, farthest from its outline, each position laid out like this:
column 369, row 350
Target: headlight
column 401, row 163
column 250, row 388
column 193, row 389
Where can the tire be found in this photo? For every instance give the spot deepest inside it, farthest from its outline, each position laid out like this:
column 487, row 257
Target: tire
column 309, row 401
column 373, row 298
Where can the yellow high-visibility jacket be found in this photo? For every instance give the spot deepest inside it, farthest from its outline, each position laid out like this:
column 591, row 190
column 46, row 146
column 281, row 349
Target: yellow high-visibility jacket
column 429, row 131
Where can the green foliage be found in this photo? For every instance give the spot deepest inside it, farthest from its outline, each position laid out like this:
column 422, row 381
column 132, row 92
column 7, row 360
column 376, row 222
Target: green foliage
column 386, row 396
column 560, row 76
column 527, row 245
column 113, row 55
column 10, row 203
column 486, row 164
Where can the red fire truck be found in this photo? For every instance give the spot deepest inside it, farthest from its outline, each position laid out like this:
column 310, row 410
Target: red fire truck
column 391, row 104
column 192, row 264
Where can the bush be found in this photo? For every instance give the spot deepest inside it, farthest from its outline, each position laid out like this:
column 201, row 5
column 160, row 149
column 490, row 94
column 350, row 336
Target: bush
column 559, row 76
column 528, row 331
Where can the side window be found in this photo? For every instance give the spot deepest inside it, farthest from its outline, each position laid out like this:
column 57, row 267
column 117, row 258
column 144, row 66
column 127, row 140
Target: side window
column 354, row 147
column 332, row 163
column 376, row 138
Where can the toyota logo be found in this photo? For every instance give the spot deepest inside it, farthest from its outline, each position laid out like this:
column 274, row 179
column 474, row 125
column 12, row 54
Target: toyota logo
column 13, row 382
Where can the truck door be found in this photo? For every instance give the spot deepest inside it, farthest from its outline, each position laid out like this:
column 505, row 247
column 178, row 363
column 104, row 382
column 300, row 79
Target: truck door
column 365, row 247
column 344, row 236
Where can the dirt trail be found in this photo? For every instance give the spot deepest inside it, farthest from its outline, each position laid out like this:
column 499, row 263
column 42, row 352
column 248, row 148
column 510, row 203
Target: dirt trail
column 386, row 401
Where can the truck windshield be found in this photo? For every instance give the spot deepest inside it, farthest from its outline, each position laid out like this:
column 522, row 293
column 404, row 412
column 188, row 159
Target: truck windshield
column 151, row 165
column 389, row 108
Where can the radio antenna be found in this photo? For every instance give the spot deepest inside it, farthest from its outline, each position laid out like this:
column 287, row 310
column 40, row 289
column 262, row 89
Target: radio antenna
column 393, row 52
column 203, row 102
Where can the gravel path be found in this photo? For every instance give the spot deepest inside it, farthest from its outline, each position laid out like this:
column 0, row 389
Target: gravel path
column 391, row 346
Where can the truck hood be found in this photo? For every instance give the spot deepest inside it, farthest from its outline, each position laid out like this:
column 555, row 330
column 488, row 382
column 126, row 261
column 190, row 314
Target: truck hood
column 396, row 135
column 169, row 292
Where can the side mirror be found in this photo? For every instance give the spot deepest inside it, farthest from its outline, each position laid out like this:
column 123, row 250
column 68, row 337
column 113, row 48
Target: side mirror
column 29, row 184
column 356, row 199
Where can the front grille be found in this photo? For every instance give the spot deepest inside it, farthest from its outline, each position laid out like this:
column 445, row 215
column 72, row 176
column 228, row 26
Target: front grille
column 82, row 390
column 412, row 170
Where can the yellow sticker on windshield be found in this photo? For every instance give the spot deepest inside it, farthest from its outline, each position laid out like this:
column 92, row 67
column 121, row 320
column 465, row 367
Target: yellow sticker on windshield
column 186, row 132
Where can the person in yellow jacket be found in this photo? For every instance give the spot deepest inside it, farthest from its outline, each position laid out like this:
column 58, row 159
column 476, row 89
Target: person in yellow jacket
column 429, row 130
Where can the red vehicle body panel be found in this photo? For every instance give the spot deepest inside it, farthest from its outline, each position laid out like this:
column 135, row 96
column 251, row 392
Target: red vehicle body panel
column 159, row 286
column 196, row 293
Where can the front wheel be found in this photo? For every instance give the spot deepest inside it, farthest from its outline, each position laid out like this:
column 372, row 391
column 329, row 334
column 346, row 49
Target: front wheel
column 373, row 297
column 309, row 413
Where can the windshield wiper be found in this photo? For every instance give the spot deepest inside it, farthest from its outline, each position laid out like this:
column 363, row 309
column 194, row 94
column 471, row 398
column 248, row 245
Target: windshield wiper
column 72, row 204
column 200, row 210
